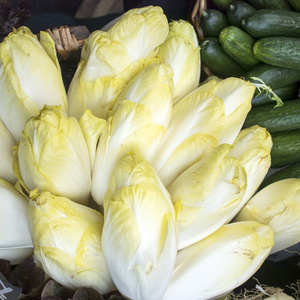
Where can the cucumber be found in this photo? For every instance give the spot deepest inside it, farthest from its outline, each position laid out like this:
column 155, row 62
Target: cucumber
column 217, row 60
column 223, row 4
column 291, row 171
column 295, row 4
column 273, row 76
column 258, row 4
column 272, row 22
column 286, row 148
column 279, row 51
column 238, row 44
column 274, row 119
column 280, row 4
column 212, row 22
column 285, row 93
column 237, row 12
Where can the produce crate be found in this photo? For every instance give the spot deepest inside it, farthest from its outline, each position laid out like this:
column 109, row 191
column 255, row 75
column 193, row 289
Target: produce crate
column 68, row 40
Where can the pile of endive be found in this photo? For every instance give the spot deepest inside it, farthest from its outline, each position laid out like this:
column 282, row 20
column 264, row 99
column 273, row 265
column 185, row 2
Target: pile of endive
column 138, row 178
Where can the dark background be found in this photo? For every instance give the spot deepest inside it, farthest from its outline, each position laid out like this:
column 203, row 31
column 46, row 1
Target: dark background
column 49, row 14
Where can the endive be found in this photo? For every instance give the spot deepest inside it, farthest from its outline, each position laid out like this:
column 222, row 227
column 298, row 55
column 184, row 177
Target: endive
column 182, row 52
column 53, row 155
column 221, row 262
column 7, row 143
column 67, row 242
column 92, row 128
column 102, row 73
column 209, row 83
column 193, row 149
column 130, row 128
column 15, row 238
column 252, row 148
column 236, row 94
column 209, row 193
column 141, row 31
column 152, row 87
column 30, row 77
column 110, row 59
column 139, row 232
column 197, row 116
column 277, row 205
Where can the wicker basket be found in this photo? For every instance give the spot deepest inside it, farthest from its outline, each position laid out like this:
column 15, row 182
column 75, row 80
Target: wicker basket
column 195, row 16
column 68, row 40
column 196, row 12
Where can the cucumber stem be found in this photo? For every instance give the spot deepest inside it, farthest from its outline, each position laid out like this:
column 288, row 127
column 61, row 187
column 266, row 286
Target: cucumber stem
column 232, row 7
column 205, row 14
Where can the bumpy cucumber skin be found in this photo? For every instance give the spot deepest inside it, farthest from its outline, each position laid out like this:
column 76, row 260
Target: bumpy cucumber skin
column 238, row 44
column 273, row 76
column 280, row 4
column 285, row 93
column 212, row 22
column 237, row 12
column 291, row 171
column 218, row 61
column 223, row 4
column 286, row 148
column 275, row 119
column 258, row 4
column 279, row 51
column 272, row 22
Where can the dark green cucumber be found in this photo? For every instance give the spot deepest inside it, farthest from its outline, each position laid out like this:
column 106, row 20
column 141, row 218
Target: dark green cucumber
column 223, row 4
column 274, row 119
column 295, row 4
column 272, row 76
column 291, row 171
column 258, row 4
column 285, row 93
column 212, row 22
column 272, row 22
column 238, row 44
column 279, row 51
column 280, row 4
column 286, row 148
column 217, row 60
column 237, row 12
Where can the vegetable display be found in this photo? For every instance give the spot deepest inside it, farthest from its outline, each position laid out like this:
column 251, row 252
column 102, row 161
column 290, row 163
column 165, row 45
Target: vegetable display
column 139, row 180
column 262, row 39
